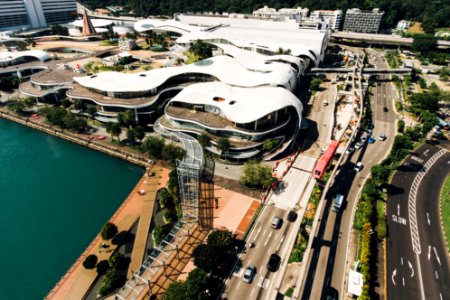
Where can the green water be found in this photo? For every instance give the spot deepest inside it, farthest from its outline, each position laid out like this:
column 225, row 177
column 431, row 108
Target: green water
column 54, row 198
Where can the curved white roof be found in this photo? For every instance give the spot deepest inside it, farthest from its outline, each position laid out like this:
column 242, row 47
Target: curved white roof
column 244, row 33
column 6, row 56
column 249, row 104
column 224, row 68
column 95, row 23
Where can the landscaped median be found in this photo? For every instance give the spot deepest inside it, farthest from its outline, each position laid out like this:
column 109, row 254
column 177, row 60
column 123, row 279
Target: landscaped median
column 445, row 210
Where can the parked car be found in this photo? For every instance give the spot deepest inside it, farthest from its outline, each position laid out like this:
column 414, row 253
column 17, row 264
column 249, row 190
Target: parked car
column 372, row 140
column 325, row 103
column 358, row 167
column 249, row 274
column 274, row 263
column 350, row 150
column 276, row 222
column 358, row 146
column 382, row 137
column 385, row 109
column 292, row 216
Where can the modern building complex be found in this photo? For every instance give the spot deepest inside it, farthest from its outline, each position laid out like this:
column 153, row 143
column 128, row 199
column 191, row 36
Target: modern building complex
column 244, row 92
column 35, row 13
column 333, row 17
column 363, row 21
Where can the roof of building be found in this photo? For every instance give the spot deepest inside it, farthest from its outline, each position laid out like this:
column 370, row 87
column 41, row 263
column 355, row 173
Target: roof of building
column 95, row 22
column 243, row 33
column 224, row 68
column 355, row 283
column 240, row 105
column 6, row 56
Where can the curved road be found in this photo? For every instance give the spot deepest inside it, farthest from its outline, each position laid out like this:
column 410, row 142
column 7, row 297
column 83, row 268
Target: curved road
column 418, row 266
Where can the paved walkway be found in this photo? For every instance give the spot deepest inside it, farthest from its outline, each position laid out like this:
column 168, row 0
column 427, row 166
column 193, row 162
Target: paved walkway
column 77, row 281
column 157, row 175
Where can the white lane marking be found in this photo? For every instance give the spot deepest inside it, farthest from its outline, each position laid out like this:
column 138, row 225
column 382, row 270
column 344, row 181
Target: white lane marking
column 440, row 295
column 394, row 273
column 422, row 291
column 412, row 269
column 428, row 219
column 257, row 233
column 437, row 256
column 426, row 151
column 401, row 260
column 281, row 241
column 436, row 273
column 237, row 286
column 398, row 209
column 253, row 290
column 429, row 252
column 268, row 238
column 261, row 279
column 403, row 279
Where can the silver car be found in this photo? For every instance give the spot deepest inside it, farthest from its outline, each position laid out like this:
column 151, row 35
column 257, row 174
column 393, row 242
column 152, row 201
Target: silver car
column 249, row 274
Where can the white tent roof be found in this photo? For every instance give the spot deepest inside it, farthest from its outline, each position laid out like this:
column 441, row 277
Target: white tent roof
column 240, row 105
column 224, row 68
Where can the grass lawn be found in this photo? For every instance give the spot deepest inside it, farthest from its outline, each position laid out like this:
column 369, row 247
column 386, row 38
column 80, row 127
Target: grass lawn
column 445, row 208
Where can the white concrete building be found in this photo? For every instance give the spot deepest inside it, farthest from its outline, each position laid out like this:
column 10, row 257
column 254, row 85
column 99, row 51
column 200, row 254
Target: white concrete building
column 333, row 17
column 287, row 13
column 403, row 25
column 18, row 14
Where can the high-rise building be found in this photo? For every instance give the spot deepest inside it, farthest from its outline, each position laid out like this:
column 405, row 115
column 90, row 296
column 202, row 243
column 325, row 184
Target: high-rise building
column 17, row 14
column 333, row 17
column 367, row 21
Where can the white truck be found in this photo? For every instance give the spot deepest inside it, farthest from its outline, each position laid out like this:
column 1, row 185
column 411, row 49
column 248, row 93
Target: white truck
column 337, row 203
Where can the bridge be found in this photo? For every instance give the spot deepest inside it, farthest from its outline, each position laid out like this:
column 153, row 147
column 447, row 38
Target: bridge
column 365, row 71
column 382, row 39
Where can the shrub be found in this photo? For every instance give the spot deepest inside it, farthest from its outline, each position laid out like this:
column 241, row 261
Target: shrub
column 401, row 125
column 90, row 261
column 109, row 230
column 169, row 216
column 158, row 234
column 256, row 175
column 102, row 267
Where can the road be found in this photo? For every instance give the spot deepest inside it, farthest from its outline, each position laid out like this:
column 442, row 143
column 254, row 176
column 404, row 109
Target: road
column 417, row 263
column 267, row 241
column 329, row 266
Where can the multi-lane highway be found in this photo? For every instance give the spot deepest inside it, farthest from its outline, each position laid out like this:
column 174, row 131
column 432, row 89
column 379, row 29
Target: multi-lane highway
column 417, row 262
column 329, row 266
column 267, row 240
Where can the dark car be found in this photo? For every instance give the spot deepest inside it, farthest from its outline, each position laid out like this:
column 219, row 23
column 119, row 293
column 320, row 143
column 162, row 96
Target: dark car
column 385, row 109
column 332, row 294
column 274, row 263
column 292, row 216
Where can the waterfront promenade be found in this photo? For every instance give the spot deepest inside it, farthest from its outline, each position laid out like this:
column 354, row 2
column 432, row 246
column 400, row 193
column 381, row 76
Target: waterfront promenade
column 78, row 280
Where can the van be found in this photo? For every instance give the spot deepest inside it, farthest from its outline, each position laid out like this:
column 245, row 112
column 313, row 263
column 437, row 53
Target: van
column 276, row 222
column 337, row 203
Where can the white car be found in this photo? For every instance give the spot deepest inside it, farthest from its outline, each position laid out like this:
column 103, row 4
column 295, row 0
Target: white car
column 249, row 273
column 358, row 167
column 358, row 146
column 382, row 137
column 350, row 150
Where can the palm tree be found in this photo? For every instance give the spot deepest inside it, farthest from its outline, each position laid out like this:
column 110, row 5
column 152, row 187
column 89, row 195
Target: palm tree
column 127, row 118
column 116, row 130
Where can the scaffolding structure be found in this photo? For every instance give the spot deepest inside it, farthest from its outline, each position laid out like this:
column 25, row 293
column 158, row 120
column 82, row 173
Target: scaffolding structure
column 178, row 244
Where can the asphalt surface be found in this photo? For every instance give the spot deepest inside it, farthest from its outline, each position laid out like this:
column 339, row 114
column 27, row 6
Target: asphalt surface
column 267, row 241
column 417, row 262
column 328, row 266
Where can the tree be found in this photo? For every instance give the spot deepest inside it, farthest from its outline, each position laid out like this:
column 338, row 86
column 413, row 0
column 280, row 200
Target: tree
column 177, row 290
column 139, row 133
column 78, row 104
column 131, row 135
column 59, row 30
column 172, row 152
column 380, row 174
column 203, row 140
column 207, row 258
column 424, row 43
column 113, row 129
column 315, row 84
column 154, row 146
column 220, row 238
column 201, row 49
column 158, row 234
column 90, row 261
column 127, row 118
column 109, row 230
column 91, row 110
column 256, row 175
column 401, row 126
column 224, row 145
column 402, row 141
column 196, row 283
column 165, row 199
